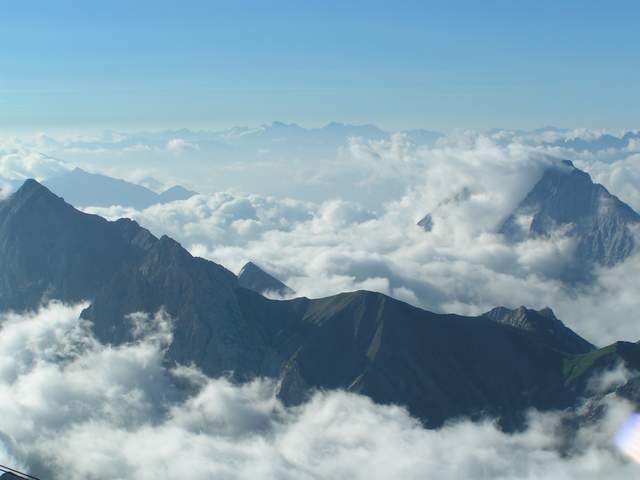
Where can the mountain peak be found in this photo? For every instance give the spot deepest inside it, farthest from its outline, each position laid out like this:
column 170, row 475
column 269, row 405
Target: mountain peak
column 30, row 186
column 567, row 163
column 566, row 199
column 542, row 324
column 83, row 189
column 254, row 278
column 30, row 191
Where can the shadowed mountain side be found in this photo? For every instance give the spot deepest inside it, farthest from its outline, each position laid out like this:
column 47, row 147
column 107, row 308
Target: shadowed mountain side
column 566, row 199
column 49, row 249
column 200, row 297
column 438, row 366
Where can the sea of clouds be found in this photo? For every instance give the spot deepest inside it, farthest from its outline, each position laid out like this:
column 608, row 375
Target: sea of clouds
column 469, row 182
column 73, row 408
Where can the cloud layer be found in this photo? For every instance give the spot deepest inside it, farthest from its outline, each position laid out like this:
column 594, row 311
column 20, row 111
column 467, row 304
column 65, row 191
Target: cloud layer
column 76, row 409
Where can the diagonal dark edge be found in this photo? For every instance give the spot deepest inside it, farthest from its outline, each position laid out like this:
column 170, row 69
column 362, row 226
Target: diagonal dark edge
column 17, row 472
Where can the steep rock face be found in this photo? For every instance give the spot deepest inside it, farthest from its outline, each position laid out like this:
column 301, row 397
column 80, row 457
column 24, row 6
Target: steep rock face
column 50, row 250
column 199, row 297
column 254, row 278
column 543, row 325
column 566, row 198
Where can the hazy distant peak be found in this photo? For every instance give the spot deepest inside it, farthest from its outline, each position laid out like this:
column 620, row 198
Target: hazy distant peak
column 85, row 189
column 177, row 192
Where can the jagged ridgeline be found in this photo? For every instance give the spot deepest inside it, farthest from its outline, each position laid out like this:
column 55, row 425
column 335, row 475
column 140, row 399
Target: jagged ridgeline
column 438, row 366
column 254, row 278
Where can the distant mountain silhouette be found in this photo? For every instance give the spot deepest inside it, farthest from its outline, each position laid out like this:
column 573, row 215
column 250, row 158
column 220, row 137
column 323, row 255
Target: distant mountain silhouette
column 254, row 278
column 331, row 135
column 175, row 193
column 84, row 189
column 598, row 143
column 438, row 366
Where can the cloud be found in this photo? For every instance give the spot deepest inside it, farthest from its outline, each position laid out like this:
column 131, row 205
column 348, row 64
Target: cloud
column 73, row 408
column 622, row 177
column 18, row 163
column 219, row 218
column 178, row 145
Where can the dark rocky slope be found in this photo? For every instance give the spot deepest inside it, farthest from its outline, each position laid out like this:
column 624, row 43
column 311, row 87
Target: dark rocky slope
column 438, row 366
column 566, row 199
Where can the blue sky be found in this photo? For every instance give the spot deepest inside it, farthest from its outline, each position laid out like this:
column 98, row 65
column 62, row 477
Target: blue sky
column 441, row 65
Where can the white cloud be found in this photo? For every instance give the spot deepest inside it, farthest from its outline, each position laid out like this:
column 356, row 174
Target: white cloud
column 18, row 163
column 73, row 408
column 178, row 145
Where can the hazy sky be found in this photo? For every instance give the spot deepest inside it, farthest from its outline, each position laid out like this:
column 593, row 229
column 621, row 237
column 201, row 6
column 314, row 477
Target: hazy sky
column 125, row 64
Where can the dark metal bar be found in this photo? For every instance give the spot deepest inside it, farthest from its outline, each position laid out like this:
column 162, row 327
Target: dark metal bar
column 17, row 473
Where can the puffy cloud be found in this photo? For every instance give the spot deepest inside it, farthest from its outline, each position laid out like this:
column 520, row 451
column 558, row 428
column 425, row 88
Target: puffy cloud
column 178, row 145
column 216, row 219
column 18, row 163
column 73, row 408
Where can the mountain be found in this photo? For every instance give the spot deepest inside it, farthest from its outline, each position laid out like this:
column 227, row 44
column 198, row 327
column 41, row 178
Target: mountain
column 331, row 135
column 542, row 324
column 427, row 221
column 566, row 199
column 439, row 366
column 604, row 141
column 254, row 278
column 84, row 189
column 50, row 250
column 175, row 193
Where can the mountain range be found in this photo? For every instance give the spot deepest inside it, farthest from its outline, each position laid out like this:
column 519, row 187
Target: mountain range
column 438, row 366
column 84, row 189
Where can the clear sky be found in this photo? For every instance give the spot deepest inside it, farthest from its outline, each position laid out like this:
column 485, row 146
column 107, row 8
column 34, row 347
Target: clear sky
column 399, row 64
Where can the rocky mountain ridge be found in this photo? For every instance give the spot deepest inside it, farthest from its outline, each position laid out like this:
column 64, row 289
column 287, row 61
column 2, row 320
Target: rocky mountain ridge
column 439, row 366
